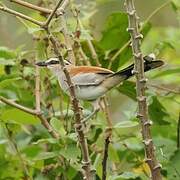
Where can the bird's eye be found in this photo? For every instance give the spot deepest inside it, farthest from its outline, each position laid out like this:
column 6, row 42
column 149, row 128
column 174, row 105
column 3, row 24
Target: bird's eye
column 54, row 62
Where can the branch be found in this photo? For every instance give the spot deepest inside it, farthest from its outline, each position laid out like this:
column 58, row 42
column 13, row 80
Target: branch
column 105, row 157
column 140, row 91
column 43, row 120
column 18, row 106
column 70, row 52
column 178, row 133
column 32, row 6
column 108, row 136
column 15, row 13
column 37, row 89
column 91, row 48
column 46, row 24
column 128, row 43
column 88, row 175
column 15, row 147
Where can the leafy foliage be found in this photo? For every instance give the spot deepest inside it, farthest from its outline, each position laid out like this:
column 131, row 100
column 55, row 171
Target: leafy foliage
column 26, row 147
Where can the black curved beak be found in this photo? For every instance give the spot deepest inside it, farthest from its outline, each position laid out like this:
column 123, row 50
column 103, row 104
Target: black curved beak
column 41, row 63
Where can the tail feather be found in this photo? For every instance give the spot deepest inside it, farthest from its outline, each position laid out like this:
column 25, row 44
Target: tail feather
column 148, row 65
column 126, row 73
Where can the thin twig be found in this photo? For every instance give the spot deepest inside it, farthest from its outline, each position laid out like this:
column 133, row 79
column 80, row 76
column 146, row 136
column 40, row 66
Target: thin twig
column 18, row 106
column 15, row 13
column 108, row 136
column 93, row 52
column 37, row 89
column 88, row 174
column 144, row 24
column 46, row 24
column 178, row 133
column 105, row 157
column 136, row 37
column 16, row 149
column 91, row 47
column 31, row 6
column 164, row 88
column 70, row 52
column 43, row 120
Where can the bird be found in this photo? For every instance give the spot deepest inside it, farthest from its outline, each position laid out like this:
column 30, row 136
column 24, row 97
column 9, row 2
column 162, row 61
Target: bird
column 92, row 82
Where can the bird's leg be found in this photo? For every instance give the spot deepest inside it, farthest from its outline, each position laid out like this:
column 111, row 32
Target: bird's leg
column 96, row 108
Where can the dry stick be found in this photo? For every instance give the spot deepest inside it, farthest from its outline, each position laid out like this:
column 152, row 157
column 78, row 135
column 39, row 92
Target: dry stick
column 70, row 52
column 88, row 175
column 128, row 43
column 93, row 52
column 37, row 89
column 108, row 132
column 91, row 48
column 178, row 133
column 18, row 106
column 44, row 121
column 32, row 6
column 15, row 13
column 164, row 88
column 15, row 147
column 46, row 24
column 140, row 90
column 108, row 135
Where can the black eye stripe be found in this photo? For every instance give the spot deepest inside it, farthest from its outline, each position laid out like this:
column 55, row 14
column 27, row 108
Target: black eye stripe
column 53, row 62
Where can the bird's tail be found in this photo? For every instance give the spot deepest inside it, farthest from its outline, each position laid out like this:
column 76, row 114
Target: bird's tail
column 148, row 65
column 126, row 73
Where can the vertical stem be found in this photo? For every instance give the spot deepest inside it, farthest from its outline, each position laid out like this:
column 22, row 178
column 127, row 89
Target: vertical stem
column 70, row 52
column 136, row 37
column 107, row 140
column 178, row 133
column 88, row 174
column 37, row 89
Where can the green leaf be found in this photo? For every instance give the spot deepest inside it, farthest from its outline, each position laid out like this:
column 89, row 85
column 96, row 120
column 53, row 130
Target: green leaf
column 57, row 126
column 126, row 128
column 47, row 140
column 46, row 155
column 41, row 50
column 157, row 112
column 6, row 53
column 165, row 147
column 168, row 72
column 71, row 152
column 18, row 116
column 124, row 175
column 115, row 35
column 173, row 169
column 7, row 62
column 128, row 88
column 8, row 82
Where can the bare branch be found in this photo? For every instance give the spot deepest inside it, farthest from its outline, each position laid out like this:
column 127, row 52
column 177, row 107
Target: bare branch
column 136, row 37
column 108, row 136
column 18, row 106
column 88, row 174
column 15, row 13
column 70, row 52
column 128, row 42
column 44, row 121
column 16, row 149
column 178, row 133
column 32, row 6
column 37, row 89
column 46, row 24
